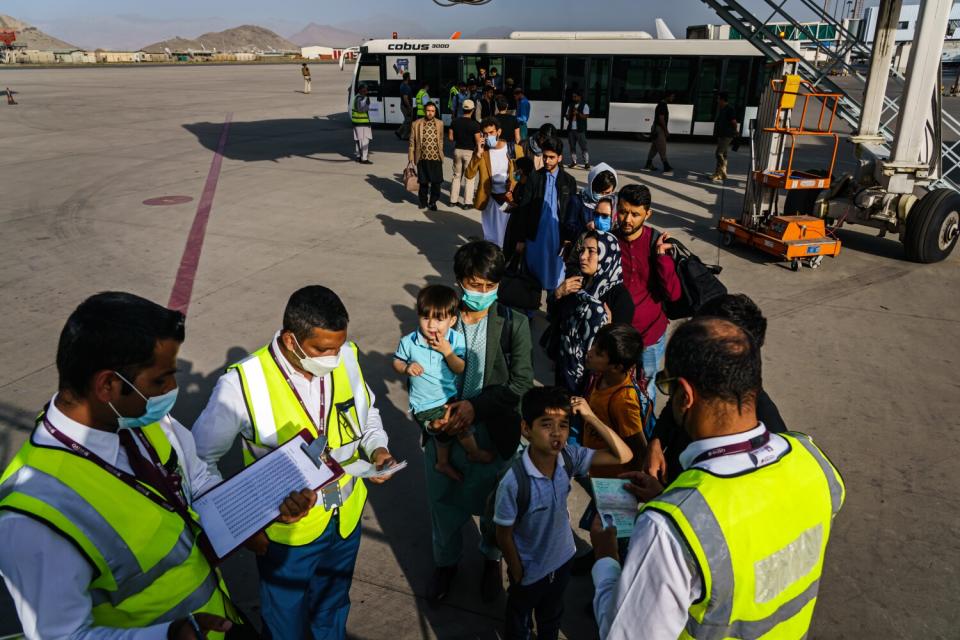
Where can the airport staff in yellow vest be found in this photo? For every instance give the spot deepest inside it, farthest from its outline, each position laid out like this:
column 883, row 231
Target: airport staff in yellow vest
column 422, row 98
column 734, row 548
column 99, row 538
column 306, row 378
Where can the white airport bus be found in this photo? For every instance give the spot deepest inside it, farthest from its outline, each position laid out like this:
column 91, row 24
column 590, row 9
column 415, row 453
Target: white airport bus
column 625, row 75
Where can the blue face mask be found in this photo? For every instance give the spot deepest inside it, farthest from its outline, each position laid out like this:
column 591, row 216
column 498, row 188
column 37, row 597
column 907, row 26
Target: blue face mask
column 157, row 408
column 476, row 301
column 602, row 223
column 491, row 141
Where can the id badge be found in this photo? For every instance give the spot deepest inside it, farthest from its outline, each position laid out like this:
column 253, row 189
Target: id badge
column 331, row 496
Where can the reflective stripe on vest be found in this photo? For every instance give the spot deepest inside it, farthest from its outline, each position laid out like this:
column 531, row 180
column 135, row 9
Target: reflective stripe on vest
column 357, row 116
column 277, row 417
column 749, row 589
column 148, row 566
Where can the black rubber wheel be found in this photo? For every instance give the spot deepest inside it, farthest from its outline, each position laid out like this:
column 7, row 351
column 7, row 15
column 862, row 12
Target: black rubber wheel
column 726, row 239
column 795, row 264
column 933, row 226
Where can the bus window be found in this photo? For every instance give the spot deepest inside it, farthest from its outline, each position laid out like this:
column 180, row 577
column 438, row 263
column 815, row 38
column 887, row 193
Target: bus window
column 598, row 87
column 369, row 73
column 541, row 81
column 575, row 79
column 678, row 77
column 736, row 81
column 648, row 79
column 512, row 68
column 708, row 83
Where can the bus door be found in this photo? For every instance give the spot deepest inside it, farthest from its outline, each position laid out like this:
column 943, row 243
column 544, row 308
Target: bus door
column 543, row 87
column 705, row 95
column 591, row 76
column 369, row 73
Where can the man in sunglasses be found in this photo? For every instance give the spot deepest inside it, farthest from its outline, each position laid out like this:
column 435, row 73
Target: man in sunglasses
column 735, row 546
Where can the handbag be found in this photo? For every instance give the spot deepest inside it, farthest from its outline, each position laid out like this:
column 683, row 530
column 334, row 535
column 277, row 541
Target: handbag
column 518, row 287
column 410, row 180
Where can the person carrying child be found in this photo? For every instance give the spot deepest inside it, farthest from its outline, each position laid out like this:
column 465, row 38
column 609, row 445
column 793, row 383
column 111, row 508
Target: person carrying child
column 531, row 517
column 432, row 357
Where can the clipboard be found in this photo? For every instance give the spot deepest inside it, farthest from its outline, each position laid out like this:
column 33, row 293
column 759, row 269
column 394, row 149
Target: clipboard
column 236, row 509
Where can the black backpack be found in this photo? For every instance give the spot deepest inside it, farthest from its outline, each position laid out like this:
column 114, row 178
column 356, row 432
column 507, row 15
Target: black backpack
column 488, row 527
column 698, row 281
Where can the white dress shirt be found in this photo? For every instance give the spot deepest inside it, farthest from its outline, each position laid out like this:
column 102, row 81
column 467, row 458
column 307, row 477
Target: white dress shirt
column 651, row 597
column 46, row 575
column 226, row 415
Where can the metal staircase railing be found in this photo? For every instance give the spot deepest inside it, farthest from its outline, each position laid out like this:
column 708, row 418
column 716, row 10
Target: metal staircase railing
column 761, row 33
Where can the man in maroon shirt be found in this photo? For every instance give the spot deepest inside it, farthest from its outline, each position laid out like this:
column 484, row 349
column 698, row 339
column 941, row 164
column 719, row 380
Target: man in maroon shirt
column 649, row 275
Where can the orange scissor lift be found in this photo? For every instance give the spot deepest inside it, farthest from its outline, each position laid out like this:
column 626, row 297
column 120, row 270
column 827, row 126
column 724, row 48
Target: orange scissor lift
column 795, row 236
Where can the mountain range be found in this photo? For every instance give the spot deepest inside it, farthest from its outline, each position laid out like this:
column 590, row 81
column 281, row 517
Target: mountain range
column 31, row 36
column 246, row 37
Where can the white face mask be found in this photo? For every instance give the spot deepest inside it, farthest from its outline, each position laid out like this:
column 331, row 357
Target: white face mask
column 319, row 366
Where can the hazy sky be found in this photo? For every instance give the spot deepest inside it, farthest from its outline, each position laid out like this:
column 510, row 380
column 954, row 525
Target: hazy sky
column 123, row 24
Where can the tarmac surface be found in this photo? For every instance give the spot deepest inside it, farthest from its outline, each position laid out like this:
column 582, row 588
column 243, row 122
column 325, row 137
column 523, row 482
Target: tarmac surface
column 861, row 353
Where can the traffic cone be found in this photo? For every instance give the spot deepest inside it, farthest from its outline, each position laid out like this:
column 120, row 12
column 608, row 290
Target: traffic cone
column 10, row 99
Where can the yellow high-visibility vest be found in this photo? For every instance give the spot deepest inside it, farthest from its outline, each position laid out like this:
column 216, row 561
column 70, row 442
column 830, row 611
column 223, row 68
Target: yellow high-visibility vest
column 421, row 103
column 148, row 566
column 278, row 417
column 357, row 116
column 759, row 539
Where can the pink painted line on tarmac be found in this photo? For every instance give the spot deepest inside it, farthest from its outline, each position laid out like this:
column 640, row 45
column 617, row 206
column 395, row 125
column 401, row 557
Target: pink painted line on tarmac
column 190, row 261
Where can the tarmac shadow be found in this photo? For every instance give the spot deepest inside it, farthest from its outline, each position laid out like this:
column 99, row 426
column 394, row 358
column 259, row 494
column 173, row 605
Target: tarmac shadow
column 273, row 140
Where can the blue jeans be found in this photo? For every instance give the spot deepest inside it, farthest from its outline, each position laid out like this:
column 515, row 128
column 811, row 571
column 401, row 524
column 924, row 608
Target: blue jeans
column 305, row 590
column 650, row 360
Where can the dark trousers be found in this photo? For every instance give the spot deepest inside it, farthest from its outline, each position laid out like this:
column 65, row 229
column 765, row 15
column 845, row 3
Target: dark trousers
column 305, row 590
column 430, row 174
column 543, row 598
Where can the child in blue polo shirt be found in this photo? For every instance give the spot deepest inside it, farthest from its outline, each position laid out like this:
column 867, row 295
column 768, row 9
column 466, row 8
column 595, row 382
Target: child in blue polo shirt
column 432, row 357
column 533, row 532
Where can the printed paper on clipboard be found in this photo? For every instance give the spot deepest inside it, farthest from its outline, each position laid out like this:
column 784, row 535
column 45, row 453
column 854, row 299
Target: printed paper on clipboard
column 237, row 508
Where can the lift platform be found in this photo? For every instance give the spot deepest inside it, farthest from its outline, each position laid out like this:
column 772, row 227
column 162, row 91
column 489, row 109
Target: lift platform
column 795, row 236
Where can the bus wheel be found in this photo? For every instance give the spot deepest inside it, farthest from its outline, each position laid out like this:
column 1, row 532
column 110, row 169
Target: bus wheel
column 933, row 226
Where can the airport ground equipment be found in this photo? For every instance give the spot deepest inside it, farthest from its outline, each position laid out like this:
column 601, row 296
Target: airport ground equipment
column 907, row 177
column 794, row 114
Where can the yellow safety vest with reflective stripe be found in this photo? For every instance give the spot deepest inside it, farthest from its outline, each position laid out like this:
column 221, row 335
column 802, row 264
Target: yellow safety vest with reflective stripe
column 357, row 116
column 147, row 564
column 421, row 102
column 759, row 539
column 277, row 417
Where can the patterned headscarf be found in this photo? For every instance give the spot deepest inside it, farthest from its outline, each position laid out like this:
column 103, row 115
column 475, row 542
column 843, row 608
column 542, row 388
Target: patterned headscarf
column 580, row 327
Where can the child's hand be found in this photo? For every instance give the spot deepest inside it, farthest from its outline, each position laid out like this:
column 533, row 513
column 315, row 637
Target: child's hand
column 581, row 407
column 439, row 342
column 414, row 369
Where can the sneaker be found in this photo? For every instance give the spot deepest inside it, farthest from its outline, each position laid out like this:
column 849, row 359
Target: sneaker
column 440, row 583
column 716, row 179
column 423, row 205
column 587, row 167
column 572, row 165
column 366, row 162
column 667, row 168
column 649, row 167
column 433, row 206
column 491, row 584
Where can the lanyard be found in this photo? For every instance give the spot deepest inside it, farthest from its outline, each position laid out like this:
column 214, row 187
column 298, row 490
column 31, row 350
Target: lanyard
column 730, row 449
column 121, row 475
column 170, row 477
column 320, row 428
